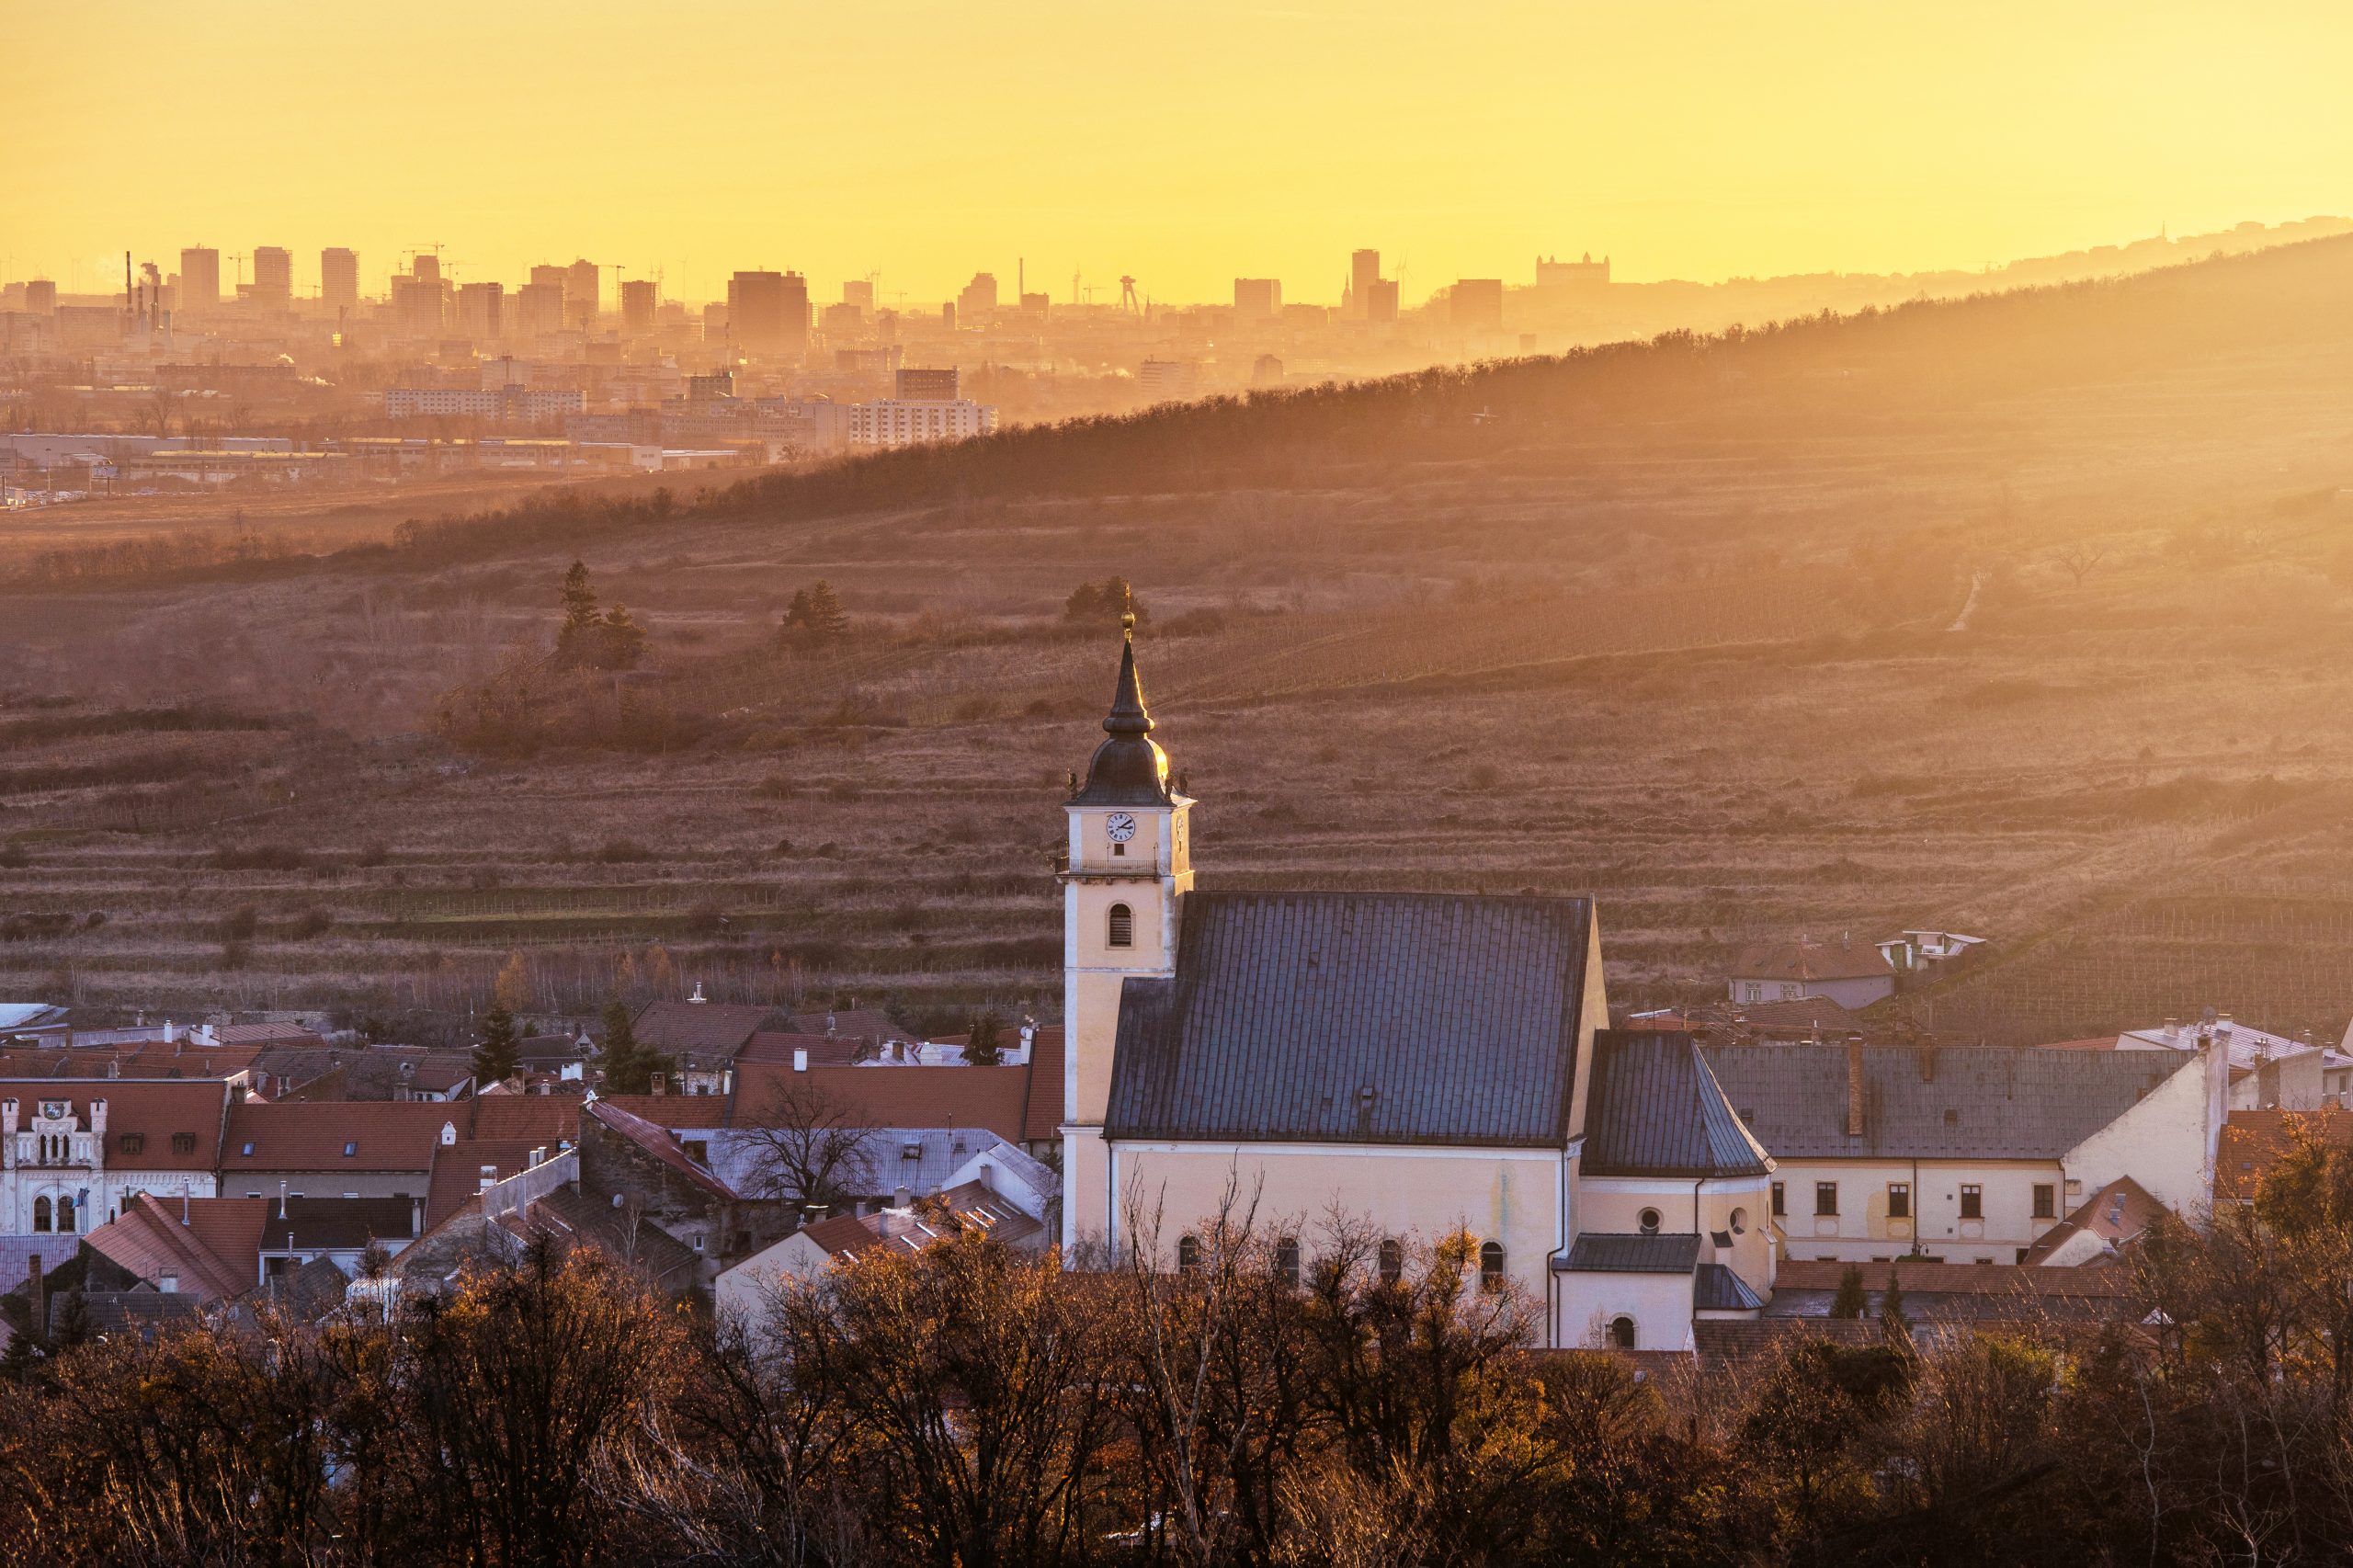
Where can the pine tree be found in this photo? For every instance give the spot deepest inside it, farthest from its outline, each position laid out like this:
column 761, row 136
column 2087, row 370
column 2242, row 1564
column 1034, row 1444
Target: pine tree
column 498, row 1055
column 1893, row 1325
column 576, row 640
column 1852, row 1299
column 630, row 1067
column 622, row 641
column 815, row 618
column 983, row 1044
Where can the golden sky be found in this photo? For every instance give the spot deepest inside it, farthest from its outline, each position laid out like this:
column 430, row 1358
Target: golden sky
column 1186, row 143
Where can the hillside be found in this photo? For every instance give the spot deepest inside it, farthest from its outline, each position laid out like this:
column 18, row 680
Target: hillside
column 2020, row 614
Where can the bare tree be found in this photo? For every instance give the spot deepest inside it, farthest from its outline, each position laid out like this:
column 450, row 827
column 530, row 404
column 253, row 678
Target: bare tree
column 2080, row 560
column 805, row 1147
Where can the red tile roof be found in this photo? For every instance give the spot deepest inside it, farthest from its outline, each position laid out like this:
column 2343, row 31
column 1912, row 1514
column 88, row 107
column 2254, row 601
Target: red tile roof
column 545, row 1119
column 1042, row 1116
column 154, row 1114
column 705, row 1033
column 995, row 1099
column 1956, row 1279
column 656, row 1142
column 311, row 1135
column 457, row 1171
column 2255, row 1140
column 2116, row 1214
column 675, row 1112
column 774, row 1047
column 148, row 1059
column 215, row 1256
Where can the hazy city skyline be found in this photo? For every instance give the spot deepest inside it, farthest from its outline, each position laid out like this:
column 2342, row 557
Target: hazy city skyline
column 1695, row 142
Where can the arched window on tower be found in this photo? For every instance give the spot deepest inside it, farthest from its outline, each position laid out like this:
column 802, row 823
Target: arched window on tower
column 65, row 1216
column 1393, row 1261
column 1621, row 1333
column 40, row 1215
column 1491, row 1265
column 1189, row 1254
column 1122, row 932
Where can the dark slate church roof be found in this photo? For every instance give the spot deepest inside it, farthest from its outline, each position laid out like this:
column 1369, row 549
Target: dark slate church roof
column 1357, row 1019
column 1656, row 1110
column 1982, row 1102
column 1129, row 769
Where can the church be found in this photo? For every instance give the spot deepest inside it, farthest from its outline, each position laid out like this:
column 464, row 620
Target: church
column 1423, row 1062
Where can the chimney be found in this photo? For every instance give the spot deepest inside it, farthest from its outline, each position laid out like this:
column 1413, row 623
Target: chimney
column 697, row 996
column 800, row 1059
column 281, row 1198
column 901, row 1198
column 1854, row 1088
column 416, row 1216
column 98, row 1120
column 489, row 1175
column 2172, row 1029
column 832, row 1024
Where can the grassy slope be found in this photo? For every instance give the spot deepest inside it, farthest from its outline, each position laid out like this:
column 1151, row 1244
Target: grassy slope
column 1671, row 626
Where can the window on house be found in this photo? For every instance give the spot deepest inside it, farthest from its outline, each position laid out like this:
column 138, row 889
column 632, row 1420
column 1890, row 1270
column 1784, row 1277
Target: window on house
column 1122, row 932
column 1752, row 993
column 1648, row 1221
column 65, row 1216
column 1781, row 1199
column 1791, row 993
column 1899, row 1201
column 40, row 1215
column 1621, row 1333
column 135, row 1143
column 183, row 1142
column 1491, row 1265
column 1287, row 1261
column 2046, row 1201
column 1826, row 1197
column 1973, row 1202
column 699, row 1150
column 1393, row 1261
column 1117, row 847
column 1189, row 1254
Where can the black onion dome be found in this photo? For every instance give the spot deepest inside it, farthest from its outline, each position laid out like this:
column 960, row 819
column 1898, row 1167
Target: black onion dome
column 1129, row 769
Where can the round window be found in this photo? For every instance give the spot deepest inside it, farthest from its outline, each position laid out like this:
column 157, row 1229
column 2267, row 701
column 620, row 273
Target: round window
column 1650, row 1221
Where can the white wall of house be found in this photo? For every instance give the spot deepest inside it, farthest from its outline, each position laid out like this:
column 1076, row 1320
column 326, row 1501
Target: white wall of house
column 1864, row 1229
column 1740, row 1208
column 2166, row 1142
column 1860, row 992
column 1660, row 1305
column 741, row 1295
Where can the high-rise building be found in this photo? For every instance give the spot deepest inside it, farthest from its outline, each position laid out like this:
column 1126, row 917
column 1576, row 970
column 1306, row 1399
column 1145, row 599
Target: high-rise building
column 1364, row 271
column 844, row 321
column 416, row 305
column 859, row 291
column 481, row 310
column 273, row 277
column 928, row 385
column 1476, row 304
column 978, row 298
column 768, row 312
column 552, row 276
column 583, row 297
column 539, row 304
column 40, row 297
column 339, row 278
column 1257, row 299
column 426, row 264
column 1381, row 299
column 200, row 280
column 638, row 299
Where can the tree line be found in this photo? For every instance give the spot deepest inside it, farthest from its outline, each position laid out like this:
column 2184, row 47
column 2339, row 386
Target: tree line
column 1229, row 1396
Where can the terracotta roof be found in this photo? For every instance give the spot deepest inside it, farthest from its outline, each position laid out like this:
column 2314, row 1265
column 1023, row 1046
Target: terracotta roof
column 147, row 1059
column 700, row 1033
column 1920, row 1278
column 857, row 1023
column 1810, row 961
column 215, row 1256
column 657, row 1142
column 675, row 1112
column 544, row 1118
column 314, row 1135
column 1042, row 1116
column 995, row 1099
column 2116, row 1214
column 2255, row 1140
column 174, row 1125
column 774, row 1047
column 1813, row 1014
column 971, row 1206
column 457, row 1171
column 267, row 1034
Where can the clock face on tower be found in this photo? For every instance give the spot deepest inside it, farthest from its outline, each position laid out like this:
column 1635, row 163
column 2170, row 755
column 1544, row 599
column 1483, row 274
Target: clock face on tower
column 1120, row 826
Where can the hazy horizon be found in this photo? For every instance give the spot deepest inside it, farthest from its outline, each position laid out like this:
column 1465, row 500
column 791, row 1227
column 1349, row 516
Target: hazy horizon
column 1685, row 141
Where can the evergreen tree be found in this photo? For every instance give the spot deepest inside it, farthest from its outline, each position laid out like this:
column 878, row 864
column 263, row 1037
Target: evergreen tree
column 576, row 641
column 983, row 1043
column 815, row 618
column 497, row 1056
column 1893, row 1324
column 630, row 1067
column 1852, row 1299
column 621, row 641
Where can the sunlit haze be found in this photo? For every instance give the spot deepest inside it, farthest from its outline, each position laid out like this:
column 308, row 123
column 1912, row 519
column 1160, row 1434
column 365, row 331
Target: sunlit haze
column 1184, row 145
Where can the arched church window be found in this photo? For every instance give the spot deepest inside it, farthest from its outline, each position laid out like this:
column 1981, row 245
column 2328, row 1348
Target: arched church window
column 1621, row 1333
column 40, row 1215
column 1491, row 1265
column 1393, row 1261
column 1122, row 933
column 1189, row 1254
column 1649, row 1220
column 64, row 1216
column 1287, row 1261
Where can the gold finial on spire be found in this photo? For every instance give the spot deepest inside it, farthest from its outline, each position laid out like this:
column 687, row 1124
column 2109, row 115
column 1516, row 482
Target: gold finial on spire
column 1127, row 612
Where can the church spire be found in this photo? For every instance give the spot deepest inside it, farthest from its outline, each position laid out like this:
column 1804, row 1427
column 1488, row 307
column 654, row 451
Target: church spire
column 1127, row 715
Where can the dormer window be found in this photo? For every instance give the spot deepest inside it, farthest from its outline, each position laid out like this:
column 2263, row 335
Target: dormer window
column 350, row 1150
column 183, row 1142
column 135, row 1143
column 1121, row 926
column 248, row 1150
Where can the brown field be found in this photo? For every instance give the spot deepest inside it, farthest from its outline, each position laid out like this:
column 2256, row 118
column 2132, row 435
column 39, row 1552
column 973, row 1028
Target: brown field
column 1715, row 671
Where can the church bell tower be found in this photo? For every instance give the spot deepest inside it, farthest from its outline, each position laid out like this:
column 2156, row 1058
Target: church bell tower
column 1126, row 868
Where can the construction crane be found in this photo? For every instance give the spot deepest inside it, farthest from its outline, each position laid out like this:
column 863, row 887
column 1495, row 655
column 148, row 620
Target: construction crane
column 240, row 278
column 1129, row 303
column 1076, row 297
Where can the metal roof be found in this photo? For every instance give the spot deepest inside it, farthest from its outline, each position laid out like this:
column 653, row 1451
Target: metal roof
column 1623, row 1252
column 1655, row 1109
column 1357, row 1019
column 1719, row 1289
column 1982, row 1102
